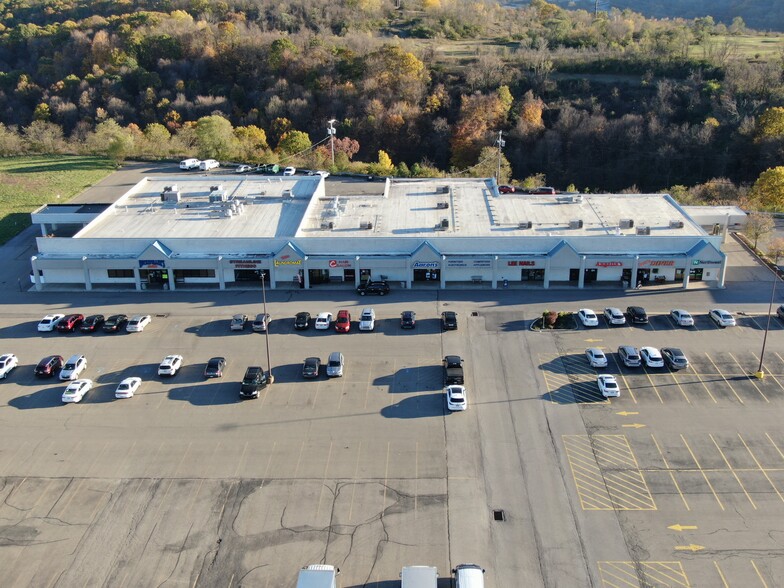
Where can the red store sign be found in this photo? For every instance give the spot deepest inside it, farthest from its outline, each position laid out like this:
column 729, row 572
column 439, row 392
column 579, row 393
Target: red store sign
column 339, row 263
column 521, row 263
column 609, row 264
column 657, row 263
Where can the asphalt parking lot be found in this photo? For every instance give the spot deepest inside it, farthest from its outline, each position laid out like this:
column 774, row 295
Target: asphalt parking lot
column 679, row 482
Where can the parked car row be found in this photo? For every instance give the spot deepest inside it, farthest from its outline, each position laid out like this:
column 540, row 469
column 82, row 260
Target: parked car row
column 631, row 357
column 92, row 323
column 367, row 320
column 197, row 164
column 637, row 315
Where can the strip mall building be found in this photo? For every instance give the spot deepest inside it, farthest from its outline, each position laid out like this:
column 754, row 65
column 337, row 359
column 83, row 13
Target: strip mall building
column 230, row 231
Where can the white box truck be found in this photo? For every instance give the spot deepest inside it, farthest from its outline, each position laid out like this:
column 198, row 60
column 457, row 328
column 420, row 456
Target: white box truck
column 419, row 577
column 318, row 576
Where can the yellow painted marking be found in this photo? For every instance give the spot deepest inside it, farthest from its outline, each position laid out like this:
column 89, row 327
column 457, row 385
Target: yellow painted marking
column 642, row 574
column 594, row 340
column 702, row 382
column 623, row 378
column 764, row 472
column 626, row 413
column 634, row 426
column 650, row 381
column 764, row 583
column 735, row 475
column 721, row 575
column 672, row 475
column 776, row 447
column 704, row 476
column 606, row 473
column 570, row 380
column 767, row 372
column 677, row 383
column 680, row 527
column 751, row 379
column 354, row 486
column 725, row 379
column 692, row 547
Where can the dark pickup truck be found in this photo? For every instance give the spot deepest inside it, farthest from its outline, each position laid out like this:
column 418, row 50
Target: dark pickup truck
column 453, row 370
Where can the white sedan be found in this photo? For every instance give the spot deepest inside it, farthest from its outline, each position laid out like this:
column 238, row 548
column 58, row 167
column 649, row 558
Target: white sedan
column 596, row 357
column 7, row 362
column 681, row 318
column 127, row 387
column 170, row 365
column 49, row 322
column 588, row 317
column 652, row 357
column 289, row 171
column 608, row 386
column 456, row 397
column 323, row 321
column 614, row 316
column 76, row 390
column 722, row 318
column 138, row 322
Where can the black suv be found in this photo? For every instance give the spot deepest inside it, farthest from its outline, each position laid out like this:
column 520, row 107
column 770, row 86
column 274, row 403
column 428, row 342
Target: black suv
column 453, row 370
column 255, row 381
column 380, row 288
column 91, row 323
column 115, row 323
column 302, row 321
column 637, row 315
column 407, row 319
column 449, row 320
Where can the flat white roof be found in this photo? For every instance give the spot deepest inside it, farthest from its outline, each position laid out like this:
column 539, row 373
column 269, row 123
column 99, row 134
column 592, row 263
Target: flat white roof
column 262, row 208
column 268, row 207
column 473, row 208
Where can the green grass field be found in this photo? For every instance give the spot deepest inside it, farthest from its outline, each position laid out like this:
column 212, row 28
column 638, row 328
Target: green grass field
column 28, row 182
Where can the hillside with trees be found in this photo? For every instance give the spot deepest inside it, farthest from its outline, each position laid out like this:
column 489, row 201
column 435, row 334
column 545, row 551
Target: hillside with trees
column 608, row 103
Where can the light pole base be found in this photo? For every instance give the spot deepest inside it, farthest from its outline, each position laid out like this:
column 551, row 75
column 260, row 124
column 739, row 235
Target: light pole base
column 759, row 375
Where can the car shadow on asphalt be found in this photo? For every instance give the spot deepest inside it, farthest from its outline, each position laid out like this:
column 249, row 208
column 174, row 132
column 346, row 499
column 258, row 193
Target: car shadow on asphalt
column 217, row 328
column 27, row 330
column 414, row 407
column 144, row 371
column 49, row 397
column 568, row 394
column 212, row 393
column 292, row 372
column 412, row 379
column 100, row 394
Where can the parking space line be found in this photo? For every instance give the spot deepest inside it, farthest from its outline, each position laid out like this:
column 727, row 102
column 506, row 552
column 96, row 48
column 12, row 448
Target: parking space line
column 625, row 382
column 269, row 461
column 642, row 574
column 669, row 470
column 767, row 371
column 732, row 471
column 699, row 377
column 655, row 389
column 324, row 479
column 240, row 460
column 182, row 461
column 721, row 575
column 761, row 469
column 386, row 483
column 704, row 475
column 764, row 583
column 677, row 383
column 776, row 447
column 299, row 458
column 718, row 371
column 751, row 378
column 574, row 383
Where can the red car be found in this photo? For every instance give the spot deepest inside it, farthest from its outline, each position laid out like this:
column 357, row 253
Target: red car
column 505, row 189
column 343, row 322
column 68, row 323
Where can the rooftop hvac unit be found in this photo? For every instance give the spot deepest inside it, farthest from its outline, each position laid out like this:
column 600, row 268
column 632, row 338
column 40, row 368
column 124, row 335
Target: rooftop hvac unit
column 171, row 196
column 327, row 226
column 217, row 188
column 576, row 224
column 442, row 205
column 444, row 223
column 676, row 224
column 366, row 226
column 643, row 230
column 626, row 223
column 287, row 193
column 442, row 190
column 218, row 196
column 525, row 225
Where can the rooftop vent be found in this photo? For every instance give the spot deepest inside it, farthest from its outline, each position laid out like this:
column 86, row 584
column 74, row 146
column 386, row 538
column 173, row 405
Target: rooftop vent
column 366, row 226
column 569, row 198
column 576, row 224
column 442, row 190
column 442, row 205
column 287, row 193
column 643, row 230
column 525, row 225
column 218, row 196
column 327, row 226
column 626, row 223
column 676, row 224
column 217, row 188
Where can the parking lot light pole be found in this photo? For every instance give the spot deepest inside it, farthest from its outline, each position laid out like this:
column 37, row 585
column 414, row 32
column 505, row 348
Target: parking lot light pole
column 761, row 374
column 266, row 328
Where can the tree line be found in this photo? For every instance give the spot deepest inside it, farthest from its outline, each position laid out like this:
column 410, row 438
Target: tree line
column 603, row 103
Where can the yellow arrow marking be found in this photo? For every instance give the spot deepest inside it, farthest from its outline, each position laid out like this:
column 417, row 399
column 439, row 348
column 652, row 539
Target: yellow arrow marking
column 680, row 527
column 626, row 413
column 691, row 547
column 594, row 340
column 635, row 426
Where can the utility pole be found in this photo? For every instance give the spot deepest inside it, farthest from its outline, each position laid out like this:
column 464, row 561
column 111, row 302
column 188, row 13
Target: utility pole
column 500, row 143
column 331, row 132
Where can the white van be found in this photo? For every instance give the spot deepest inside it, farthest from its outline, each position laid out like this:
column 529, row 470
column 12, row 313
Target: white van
column 469, row 576
column 188, row 164
column 318, row 576
column 419, row 577
column 208, row 164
